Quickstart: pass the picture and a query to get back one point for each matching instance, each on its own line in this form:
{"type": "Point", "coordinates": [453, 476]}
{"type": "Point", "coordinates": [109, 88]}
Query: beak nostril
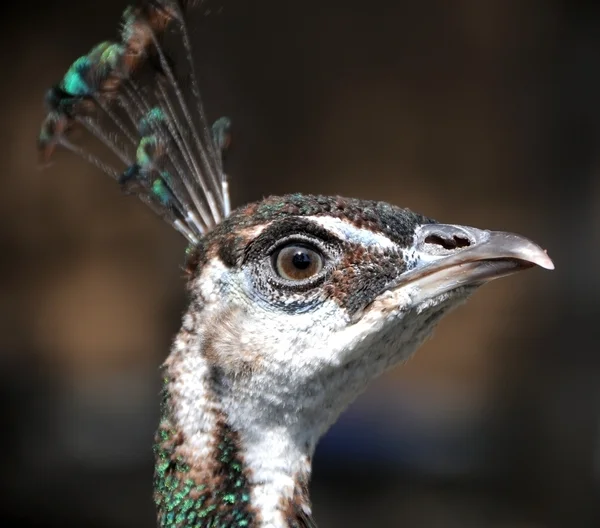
{"type": "Point", "coordinates": [461, 242]}
{"type": "Point", "coordinates": [454, 242]}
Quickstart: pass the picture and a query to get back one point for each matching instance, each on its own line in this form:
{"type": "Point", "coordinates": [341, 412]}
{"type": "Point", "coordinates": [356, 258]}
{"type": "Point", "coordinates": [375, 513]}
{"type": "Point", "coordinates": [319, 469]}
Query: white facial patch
{"type": "Point", "coordinates": [356, 235]}
{"type": "Point", "coordinates": [209, 281]}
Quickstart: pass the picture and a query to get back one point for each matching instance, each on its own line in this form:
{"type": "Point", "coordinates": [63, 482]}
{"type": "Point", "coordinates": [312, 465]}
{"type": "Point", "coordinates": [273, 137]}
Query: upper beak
{"type": "Point", "coordinates": [451, 256]}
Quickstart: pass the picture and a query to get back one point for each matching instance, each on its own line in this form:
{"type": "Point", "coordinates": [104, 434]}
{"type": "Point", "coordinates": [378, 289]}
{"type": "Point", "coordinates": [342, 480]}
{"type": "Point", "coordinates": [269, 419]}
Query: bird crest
{"type": "Point", "coordinates": [128, 95]}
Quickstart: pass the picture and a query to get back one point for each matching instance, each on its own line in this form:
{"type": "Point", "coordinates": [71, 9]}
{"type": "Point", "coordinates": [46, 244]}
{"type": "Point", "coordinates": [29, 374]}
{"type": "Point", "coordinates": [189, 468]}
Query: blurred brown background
{"type": "Point", "coordinates": [477, 112]}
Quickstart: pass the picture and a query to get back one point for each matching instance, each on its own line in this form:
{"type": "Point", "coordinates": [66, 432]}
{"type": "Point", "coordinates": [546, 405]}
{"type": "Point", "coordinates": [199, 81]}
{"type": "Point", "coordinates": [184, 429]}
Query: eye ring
{"type": "Point", "coordinates": [297, 262]}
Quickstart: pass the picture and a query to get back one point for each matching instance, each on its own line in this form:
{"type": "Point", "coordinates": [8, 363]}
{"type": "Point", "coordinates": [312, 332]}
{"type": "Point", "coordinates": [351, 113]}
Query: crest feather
{"type": "Point", "coordinates": [127, 94]}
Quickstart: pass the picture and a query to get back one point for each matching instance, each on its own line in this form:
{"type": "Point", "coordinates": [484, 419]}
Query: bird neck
{"type": "Point", "coordinates": [216, 463]}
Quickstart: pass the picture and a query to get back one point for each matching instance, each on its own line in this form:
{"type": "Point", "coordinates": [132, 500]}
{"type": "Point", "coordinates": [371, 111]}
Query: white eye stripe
{"type": "Point", "coordinates": [347, 231]}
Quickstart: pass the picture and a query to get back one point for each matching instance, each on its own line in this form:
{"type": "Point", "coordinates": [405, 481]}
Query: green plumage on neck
{"type": "Point", "coordinates": [183, 501]}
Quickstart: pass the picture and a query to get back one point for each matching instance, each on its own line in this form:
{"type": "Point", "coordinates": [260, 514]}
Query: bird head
{"type": "Point", "coordinates": [303, 300]}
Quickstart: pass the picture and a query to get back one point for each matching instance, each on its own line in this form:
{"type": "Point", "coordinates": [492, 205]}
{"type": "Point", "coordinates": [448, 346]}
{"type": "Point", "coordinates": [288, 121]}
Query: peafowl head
{"type": "Point", "coordinates": [296, 302]}
{"type": "Point", "coordinates": [299, 301]}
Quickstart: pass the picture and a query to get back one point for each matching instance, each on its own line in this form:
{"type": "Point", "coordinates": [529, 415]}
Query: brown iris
{"type": "Point", "coordinates": [296, 262]}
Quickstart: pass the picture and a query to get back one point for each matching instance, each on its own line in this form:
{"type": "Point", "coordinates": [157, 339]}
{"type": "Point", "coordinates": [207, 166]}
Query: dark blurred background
{"type": "Point", "coordinates": [477, 112]}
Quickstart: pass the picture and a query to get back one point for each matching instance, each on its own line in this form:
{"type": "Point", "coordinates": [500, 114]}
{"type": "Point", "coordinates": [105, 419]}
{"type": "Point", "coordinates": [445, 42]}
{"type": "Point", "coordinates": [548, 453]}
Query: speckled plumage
{"type": "Point", "coordinates": [379, 217]}
{"type": "Point", "coordinates": [185, 495]}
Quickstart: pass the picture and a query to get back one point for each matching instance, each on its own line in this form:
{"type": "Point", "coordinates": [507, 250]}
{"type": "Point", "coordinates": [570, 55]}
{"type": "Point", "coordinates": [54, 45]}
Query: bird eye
{"type": "Point", "coordinates": [297, 262]}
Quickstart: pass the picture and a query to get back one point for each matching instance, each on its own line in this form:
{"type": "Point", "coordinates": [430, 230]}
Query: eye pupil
{"type": "Point", "coordinates": [301, 260]}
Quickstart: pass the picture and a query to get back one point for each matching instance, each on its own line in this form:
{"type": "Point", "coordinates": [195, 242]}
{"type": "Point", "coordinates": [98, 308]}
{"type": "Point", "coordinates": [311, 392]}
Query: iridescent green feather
{"type": "Point", "coordinates": [73, 82]}
{"type": "Point", "coordinates": [185, 503]}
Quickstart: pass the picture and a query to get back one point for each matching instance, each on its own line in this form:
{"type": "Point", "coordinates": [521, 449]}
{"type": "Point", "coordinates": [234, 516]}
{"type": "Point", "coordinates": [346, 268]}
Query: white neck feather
{"type": "Point", "coordinates": [276, 451]}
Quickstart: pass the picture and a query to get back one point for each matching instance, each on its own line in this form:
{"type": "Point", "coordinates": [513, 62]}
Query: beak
{"type": "Point", "coordinates": [447, 257]}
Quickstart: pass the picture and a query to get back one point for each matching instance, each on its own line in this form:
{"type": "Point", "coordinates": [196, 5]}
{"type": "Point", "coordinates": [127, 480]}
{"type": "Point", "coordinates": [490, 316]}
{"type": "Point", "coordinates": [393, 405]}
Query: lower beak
{"type": "Point", "coordinates": [450, 256]}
